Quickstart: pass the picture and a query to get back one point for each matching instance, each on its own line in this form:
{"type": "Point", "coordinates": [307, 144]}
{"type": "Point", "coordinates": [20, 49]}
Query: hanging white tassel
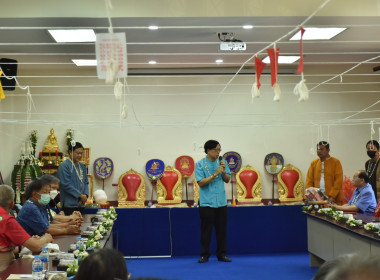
{"type": "Point", "coordinates": [372, 130]}
{"type": "Point", "coordinates": [255, 92]}
{"type": "Point", "coordinates": [124, 112]}
{"type": "Point", "coordinates": [112, 72]}
{"type": "Point", "coordinates": [277, 92]}
{"type": "Point", "coordinates": [118, 90]}
{"type": "Point", "coordinates": [301, 90]}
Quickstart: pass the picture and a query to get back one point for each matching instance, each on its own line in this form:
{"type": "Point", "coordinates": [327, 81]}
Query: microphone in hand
{"type": "Point", "coordinates": [220, 159]}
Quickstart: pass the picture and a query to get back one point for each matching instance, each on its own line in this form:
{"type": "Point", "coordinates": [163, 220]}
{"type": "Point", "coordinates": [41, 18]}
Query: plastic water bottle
{"type": "Point", "coordinates": [150, 204]}
{"type": "Point", "coordinates": [80, 243]}
{"type": "Point", "coordinates": [37, 268]}
{"type": "Point", "coordinates": [44, 257]}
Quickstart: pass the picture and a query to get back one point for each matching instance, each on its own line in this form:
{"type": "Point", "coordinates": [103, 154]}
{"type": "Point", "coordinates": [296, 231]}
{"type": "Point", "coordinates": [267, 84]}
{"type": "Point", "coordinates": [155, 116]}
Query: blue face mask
{"type": "Point", "coordinates": [45, 199]}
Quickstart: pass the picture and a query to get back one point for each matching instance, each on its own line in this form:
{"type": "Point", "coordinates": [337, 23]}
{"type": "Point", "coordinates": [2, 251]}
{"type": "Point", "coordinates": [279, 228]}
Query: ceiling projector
{"type": "Point", "coordinates": [233, 46]}
{"type": "Point", "coordinates": [230, 43]}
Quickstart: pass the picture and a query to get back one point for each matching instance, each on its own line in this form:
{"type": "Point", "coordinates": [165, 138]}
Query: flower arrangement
{"type": "Point", "coordinates": [80, 253]}
{"type": "Point", "coordinates": [107, 224]}
{"type": "Point", "coordinates": [97, 235]}
{"type": "Point", "coordinates": [339, 216]}
{"type": "Point", "coordinates": [307, 208]}
{"type": "Point", "coordinates": [72, 268]}
{"type": "Point", "coordinates": [69, 137]}
{"type": "Point", "coordinates": [371, 227]}
{"type": "Point", "coordinates": [354, 223]}
{"type": "Point", "coordinates": [330, 212]}
{"type": "Point", "coordinates": [92, 243]}
{"type": "Point", "coordinates": [110, 213]}
{"type": "Point", "coordinates": [33, 137]}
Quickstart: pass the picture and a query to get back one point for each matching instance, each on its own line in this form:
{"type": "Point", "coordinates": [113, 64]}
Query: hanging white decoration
{"type": "Point", "coordinates": [301, 90]}
{"type": "Point", "coordinates": [118, 90]}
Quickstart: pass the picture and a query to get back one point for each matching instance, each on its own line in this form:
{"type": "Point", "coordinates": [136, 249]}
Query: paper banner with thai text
{"type": "Point", "coordinates": [111, 46]}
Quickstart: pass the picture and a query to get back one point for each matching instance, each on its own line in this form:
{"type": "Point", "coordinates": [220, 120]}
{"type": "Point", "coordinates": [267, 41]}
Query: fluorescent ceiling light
{"type": "Point", "coordinates": [152, 62]}
{"type": "Point", "coordinates": [153, 27]}
{"type": "Point", "coordinates": [248, 26]}
{"type": "Point", "coordinates": [73, 35]}
{"type": "Point", "coordinates": [85, 62]}
{"type": "Point", "coordinates": [282, 59]}
{"type": "Point", "coordinates": [313, 33]}
{"type": "Point", "coordinates": [219, 61]}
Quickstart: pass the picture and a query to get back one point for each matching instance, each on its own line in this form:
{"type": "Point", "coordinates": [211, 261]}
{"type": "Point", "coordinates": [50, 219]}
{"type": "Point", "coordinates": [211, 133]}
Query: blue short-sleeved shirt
{"type": "Point", "coordinates": [71, 187]}
{"type": "Point", "coordinates": [364, 199]}
{"type": "Point", "coordinates": [214, 194]}
{"type": "Point", "coordinates": [33, 219]}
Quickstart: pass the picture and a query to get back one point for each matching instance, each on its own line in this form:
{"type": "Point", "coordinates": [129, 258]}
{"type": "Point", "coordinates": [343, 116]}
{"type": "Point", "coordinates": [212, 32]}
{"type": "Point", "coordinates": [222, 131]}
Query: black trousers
{"type": "Point", "coordinates": [210, 218]}
{"type": "Point", "coordinates": [69, 210]}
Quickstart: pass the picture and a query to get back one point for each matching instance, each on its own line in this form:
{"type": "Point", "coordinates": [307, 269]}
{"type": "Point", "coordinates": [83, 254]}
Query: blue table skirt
{"type": "Point", "coordinates": [176, 231]}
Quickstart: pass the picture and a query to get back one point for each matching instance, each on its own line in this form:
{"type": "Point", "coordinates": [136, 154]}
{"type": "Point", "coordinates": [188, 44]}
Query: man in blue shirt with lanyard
{"type": "Point", "coordinates": [74, 183]}
{"type": "Point", "coordinates": [211, 173]}
{"type": "Point", "coordinates": [363, 199]}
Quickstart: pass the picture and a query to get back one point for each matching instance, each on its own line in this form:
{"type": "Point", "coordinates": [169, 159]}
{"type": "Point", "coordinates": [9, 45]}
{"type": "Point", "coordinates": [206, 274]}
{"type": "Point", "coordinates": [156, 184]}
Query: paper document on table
{"type": "Point", "coordinates": [19, 276]}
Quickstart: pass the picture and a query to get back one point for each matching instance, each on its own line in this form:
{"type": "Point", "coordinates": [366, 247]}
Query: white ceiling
{"type": "Point", "coordinates": [187, 43]}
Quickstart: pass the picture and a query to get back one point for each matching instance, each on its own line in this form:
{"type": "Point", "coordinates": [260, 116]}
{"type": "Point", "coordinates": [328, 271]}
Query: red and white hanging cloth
{"type": "Point", "coordinates": [259, 66]}
{"type": "Point", "coordinates": [301, 89]}
{"type": "Point", "coordinates": [273, 56]}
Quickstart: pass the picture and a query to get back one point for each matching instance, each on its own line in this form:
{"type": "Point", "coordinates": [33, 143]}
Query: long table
{"type": "Point", "coordinates": [176, 231]}
{"type": "Point", "coordinates": [328, 239]}
{"type": "Point", "coordinates": [24, 265]}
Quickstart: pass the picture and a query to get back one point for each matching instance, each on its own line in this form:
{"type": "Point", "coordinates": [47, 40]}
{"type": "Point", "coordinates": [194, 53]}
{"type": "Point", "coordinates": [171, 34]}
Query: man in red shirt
{"type": "Point", "coordinates": [12, 234]}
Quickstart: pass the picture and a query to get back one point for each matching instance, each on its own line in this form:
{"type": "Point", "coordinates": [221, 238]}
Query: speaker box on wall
{"type": "Point", "coordinates": [9, 67]}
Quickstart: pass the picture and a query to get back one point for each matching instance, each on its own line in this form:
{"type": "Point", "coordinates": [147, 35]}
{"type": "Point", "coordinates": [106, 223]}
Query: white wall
{"type": "Point", "coordinates": [168, 126]}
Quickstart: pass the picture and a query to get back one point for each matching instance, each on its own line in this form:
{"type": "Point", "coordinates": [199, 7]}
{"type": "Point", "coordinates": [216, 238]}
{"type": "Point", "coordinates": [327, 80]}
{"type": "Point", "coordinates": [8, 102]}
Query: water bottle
{"type": "Point", "coordinates": [150, 204]}
{"type": "Point", "coordinates": [80, 243]}
{"type": "Point", "coordinates": [37, 268]}
{"type": "Point", "coordinates": [44, 257]}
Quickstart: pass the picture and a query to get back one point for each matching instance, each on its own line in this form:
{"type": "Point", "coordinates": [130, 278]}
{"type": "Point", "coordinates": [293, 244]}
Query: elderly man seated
{"type": "Point", "coordinates": [363, 199]}
{"type": "Point", "coordinates": [12, 234]}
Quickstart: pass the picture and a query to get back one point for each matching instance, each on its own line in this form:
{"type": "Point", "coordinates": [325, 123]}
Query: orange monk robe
{"type": "Point", "coordinates": [333, 173]}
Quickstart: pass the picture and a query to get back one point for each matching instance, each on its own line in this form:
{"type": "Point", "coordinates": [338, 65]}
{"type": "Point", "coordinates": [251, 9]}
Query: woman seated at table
{"type": "Point", "coordinates": [34, 215]}
{"type": "Point", "coordinates": [12, 234]}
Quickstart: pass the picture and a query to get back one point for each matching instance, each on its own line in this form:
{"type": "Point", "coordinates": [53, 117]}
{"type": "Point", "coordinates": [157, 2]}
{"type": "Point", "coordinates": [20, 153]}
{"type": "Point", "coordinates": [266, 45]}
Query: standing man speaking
{"type": "Point", "coordinates": [211, 173]}
{"type": "Point", "coordinates": [326, 173]}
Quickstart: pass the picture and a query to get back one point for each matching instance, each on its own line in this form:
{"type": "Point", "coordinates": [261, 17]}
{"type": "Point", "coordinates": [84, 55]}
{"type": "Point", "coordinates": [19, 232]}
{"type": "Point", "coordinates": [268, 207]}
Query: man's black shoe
{"type": "Point", "coordinates": [224, 259]}
{"type": "Point", "coordinates": [203, 259]}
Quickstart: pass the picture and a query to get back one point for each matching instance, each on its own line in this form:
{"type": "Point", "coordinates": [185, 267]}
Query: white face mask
{"type": "Point", "coordinates": [53, 194]}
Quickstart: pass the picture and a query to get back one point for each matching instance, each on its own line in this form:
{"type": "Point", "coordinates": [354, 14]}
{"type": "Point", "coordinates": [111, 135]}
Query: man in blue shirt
{"type": "Point", "coordinates": [211, 173]}
{"type": "Point", "coordinates": [363, 199]}
{"type": "Point", "coordinates": [74, 183]}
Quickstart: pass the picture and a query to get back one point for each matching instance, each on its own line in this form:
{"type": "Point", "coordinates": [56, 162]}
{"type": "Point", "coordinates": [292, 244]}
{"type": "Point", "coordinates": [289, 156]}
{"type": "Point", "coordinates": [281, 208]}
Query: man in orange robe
{"type": "Point", "coordinates": [331, 181]}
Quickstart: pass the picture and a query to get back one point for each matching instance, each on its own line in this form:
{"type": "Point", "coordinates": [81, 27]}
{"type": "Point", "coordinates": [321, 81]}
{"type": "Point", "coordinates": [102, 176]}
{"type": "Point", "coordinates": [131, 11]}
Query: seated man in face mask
{"type": "Point", "coordinates": [75, 218]}
{"type": "Point", "coordinates": [35, 216]}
